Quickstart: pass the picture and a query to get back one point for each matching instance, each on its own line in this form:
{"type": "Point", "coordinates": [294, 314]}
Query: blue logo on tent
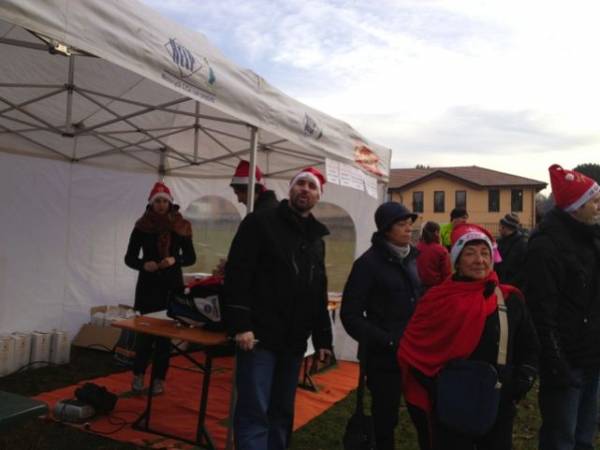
{"type": "Point", "coordinates": [189, 64]}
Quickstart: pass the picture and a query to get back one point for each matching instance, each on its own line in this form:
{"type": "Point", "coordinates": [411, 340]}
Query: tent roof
{"type": "Point", "coordinates": [112, 83]}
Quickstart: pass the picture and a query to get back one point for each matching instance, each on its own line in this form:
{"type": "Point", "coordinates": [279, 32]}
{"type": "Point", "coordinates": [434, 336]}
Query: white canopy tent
{"type": "Point", "coordinates": [97, 100]}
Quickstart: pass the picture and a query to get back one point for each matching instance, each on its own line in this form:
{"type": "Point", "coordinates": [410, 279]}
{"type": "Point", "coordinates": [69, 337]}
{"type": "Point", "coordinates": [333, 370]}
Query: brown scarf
{"type": "Point", "coordinates": [163, 225]}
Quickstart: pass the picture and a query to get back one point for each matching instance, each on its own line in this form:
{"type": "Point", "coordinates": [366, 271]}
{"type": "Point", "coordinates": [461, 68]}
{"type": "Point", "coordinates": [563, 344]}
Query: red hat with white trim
{"type": "Point", "coordinates": [242, 173]}
{"type": "Point", "coordinates": [465, 233]}
{"type": "Point", "coordinates": [160, 190]}
{"type": "Point", "coordinates": [571, 189]}
{"type": "Point", "coordinates": [312, 174]}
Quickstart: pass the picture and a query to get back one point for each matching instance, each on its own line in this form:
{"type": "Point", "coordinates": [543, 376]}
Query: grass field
{"type": "Point", "coordinates": [322, 433]}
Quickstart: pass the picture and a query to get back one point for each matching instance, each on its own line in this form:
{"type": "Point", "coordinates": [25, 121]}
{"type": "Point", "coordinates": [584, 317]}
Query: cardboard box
{"type": "Point", "coordinates": [102, 337]}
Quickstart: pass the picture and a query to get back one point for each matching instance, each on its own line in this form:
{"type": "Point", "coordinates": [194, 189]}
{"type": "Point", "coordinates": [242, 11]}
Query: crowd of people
{"type": "Point", "coordinates": [460, 325]}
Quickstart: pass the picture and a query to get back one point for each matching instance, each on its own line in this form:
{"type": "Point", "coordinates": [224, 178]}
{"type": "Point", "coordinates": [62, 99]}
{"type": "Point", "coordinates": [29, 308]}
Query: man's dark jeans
{"type": "Point", "coordinates": [266, 388]}
{"type": "Point", "coordinates": [569, 414]}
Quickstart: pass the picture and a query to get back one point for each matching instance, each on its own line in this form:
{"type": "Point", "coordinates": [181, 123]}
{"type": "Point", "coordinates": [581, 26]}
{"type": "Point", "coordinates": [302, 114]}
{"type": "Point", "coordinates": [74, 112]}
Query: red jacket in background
{"type": "Point", "coordinates": [433, 263]}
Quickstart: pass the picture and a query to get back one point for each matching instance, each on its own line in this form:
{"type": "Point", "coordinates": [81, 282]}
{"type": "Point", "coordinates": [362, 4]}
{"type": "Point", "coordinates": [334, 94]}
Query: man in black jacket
{"type": "Point", "coordinates": [379, 299]}
{"type": "Point", "coordinates": [512, 246]}
{"type": "Point", "coordinates": [563, 293]}
{"type": "Point", "coordinates": [276, 297]}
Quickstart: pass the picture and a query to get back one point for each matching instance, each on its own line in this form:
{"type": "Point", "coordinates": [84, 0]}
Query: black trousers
{"type": "Point", "coordinates": [152, 347]}
{"type": "Point", "coordinates": [384, 383]}
{"type": "Point", "coordinates": [442, 438]}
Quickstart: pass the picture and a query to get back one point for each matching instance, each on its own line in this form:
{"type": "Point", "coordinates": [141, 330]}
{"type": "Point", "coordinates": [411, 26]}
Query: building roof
{"type": "Point", "coordinates": [477, 177]}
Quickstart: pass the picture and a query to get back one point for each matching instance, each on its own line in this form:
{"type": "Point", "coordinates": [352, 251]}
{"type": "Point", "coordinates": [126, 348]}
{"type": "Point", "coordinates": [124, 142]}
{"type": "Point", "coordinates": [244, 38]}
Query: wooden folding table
{"type": "Point", "coordinates": [209, 342]}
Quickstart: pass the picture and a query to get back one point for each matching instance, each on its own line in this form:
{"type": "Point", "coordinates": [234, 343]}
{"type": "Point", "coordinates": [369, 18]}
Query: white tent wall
{"type": "Point", "coordinates": [33, 242]}
{"type": "Point", "coordinates": [138, 94]}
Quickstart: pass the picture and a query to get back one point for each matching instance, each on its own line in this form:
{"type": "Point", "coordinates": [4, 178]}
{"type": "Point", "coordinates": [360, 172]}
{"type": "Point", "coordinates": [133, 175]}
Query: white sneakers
{"type": "Point", "coordinates": [158, 387]}
{"type": "Point", "coordinates": [137, 385]}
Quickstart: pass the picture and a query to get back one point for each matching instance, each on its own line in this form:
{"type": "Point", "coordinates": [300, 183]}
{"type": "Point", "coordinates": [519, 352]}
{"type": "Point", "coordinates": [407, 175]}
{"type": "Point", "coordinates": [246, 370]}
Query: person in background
{"type": "Point", "coordinates": [379, 299]}
{"type": "Point", "coordinates": [276, 297]}
{"type": "Point", "coordinates": [164, 238]}
{"type": "Point", "coordinates": [459, 319]}
{"type": "Point", "coordinates": [563, 289]}
{"type": "Point", "coordinates": [512, 246]}
{"type": "Point", "coordinates": [433, 260]}
{"type": "Point", "coordinates": [263, 198]}
{"type": "Point", "coordinates": [457, 216]}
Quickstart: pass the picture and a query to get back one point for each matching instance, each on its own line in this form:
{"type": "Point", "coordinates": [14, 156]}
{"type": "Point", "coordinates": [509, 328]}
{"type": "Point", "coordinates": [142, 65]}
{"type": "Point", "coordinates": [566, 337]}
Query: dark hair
{"type": "Point", "coordinates": [457, 213]}
{"type": "Point", "coordinates": [428, 235]}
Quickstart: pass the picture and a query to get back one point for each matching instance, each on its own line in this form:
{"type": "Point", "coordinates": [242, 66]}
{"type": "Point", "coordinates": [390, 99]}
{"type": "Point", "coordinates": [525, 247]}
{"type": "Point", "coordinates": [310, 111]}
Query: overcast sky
{"type": "Point", "coordinates": [508, 85]}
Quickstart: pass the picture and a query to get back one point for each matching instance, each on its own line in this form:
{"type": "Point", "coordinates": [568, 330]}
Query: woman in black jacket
{"type": "Point", "coordinates": [165, 239]}
{"type": "Point", "coordinates": [379, 299]}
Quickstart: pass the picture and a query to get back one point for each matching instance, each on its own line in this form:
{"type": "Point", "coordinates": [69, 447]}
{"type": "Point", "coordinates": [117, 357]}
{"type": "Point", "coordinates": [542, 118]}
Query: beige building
{"type": "Point", "coordinates": [486, 194]}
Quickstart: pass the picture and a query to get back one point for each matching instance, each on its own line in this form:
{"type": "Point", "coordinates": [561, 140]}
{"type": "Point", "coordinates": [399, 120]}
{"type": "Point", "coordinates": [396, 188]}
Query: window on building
{"type": "Point", "coordinates": [516, 200]}
{"type": "Point", "coordinates": [460, 199]}
{"type": "Point", "coordinates": [493, 200]}
{"type": "Point", "coordinates": [417, 205]}
{"type": "Point", "coordinates": [438, 201]}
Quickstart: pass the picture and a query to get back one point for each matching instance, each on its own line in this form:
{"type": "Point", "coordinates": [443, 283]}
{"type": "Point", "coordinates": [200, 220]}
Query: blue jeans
{"type": "Point", "coordinates": [266, 388]}
{"type": "Point", "coordinates": [569, 414]}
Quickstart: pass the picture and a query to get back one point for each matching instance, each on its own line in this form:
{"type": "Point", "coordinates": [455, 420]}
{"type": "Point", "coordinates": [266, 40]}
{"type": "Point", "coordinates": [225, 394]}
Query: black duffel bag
{"type": "Point", "coordinates": [199, 304]}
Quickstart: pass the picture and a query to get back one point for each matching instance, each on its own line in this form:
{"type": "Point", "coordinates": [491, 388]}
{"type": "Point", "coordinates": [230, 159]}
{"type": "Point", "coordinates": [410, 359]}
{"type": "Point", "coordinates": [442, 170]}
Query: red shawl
{"type": "Point", "coordinates": [163, 225]}
{"type": "Point", "coordinates": [447, 324]}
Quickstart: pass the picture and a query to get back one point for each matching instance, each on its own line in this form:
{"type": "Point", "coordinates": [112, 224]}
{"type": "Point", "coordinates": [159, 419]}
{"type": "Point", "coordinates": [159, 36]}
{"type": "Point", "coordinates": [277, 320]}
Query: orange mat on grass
{"type": "Point", "coordinates": [176, 411]}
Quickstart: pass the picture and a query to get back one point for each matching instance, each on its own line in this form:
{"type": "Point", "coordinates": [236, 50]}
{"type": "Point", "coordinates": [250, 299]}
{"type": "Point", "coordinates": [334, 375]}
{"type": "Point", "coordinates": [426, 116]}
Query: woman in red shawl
{"type": "Point", "coordinates": [458, 319]}
{"type": "Point", "coordinates": [165, 240]}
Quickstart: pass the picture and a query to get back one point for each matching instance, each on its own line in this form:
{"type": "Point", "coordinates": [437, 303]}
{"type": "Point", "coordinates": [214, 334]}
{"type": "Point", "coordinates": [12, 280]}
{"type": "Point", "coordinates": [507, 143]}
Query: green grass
{"type": "Point", "coordinates": [322, 433]}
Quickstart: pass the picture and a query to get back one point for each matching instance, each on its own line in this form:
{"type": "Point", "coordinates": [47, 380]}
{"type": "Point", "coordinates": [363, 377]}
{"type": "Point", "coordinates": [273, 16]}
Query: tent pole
{"type": "Point", "coordinates": [196, 131]}
{"type": "Point", "coordinates": [252, 171]}
{"type": "Point", "coordinates": [161, 164]}
{"type": "Point", "coordinates": [69, 118]}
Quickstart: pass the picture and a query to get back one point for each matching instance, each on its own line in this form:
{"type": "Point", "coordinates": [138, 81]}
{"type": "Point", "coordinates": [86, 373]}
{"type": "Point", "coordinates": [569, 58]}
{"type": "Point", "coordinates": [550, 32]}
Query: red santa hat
{"type": "Point", "coordinates": [160, 190]}
{"type": "Point", "coordinates": [465, 233]}
{"type": "Point", "coordinates": [571, 189]}
{"type": "Point", "coordinates": [242, 173]}
{"type": "Point", "coordinates": [311, 174]}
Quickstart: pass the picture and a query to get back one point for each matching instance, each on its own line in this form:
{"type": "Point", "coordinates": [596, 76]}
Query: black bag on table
{"type": "Point", "coordinates": [359, 433]}
{"type": "Point", "coordinates": [468, 392]}
{"type": "Point", "coordinates": [199, 304]}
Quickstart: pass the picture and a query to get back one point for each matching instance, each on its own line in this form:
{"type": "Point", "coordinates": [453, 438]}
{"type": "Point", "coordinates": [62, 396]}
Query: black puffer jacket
{"type": "Point", "coordinates": [380, 296]}
{"type": "Point", "coordinates": [513, 249]}
{"type": "Point", "coordinates": [275, 281]}
{"type": "Point", "coordinates": [563, 293]}
{"type": "Point", "coordinates": [152, 288]}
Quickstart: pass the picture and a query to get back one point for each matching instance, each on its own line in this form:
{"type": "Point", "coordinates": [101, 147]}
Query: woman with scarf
{"type": "Point", "coordinates": [165, 239]}
{"type": "Point", "coordinates": [379, 298]}
{"type": "Point", "coordinates": [459, 320]}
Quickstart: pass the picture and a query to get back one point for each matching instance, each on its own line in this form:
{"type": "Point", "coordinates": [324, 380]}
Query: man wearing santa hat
{"type": "Point", "coordinates": [276, 297]}
{"type": "Point", "coordinates": [563, 293]}
{"type": "Point", "coordinates": [263, 197]}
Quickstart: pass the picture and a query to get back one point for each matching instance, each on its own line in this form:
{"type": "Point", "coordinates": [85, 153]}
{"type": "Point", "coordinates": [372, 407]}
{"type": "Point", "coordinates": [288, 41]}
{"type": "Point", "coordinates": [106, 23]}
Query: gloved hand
{"type": "Point", "coordinates": [523, 381]}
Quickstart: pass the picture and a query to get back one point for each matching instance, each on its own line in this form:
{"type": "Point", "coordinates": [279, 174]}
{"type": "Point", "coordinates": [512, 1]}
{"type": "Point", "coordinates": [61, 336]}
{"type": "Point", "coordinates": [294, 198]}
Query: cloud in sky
{"type": "Point", "coordinates": [490, 83]}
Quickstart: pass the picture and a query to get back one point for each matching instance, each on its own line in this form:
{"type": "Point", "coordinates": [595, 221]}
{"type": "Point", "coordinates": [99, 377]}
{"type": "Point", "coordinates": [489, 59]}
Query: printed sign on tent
{"type": "Point", "coordinates": [332, 171]}
{"type": "Point", "coordinates": [371, 186]}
